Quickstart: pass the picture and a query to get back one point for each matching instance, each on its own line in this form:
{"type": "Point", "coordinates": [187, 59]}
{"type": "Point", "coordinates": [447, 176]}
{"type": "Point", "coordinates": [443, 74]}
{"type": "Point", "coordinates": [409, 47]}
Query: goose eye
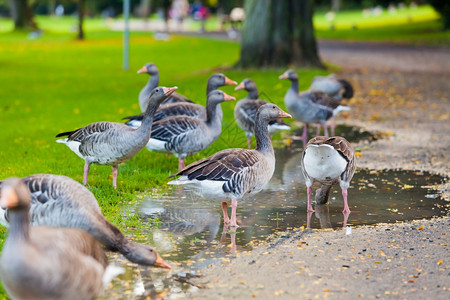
{"type": "Point", "coordinates": [273, 107]}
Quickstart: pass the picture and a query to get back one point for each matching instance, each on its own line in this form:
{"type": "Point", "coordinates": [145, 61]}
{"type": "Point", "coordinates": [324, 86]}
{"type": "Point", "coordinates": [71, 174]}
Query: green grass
{"type": "Point", "coordinates": [56, 83]}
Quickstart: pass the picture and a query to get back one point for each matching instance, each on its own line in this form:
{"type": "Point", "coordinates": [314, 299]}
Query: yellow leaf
{"type": "Point", "coordinates": [440, 262]}
{"type": "Point", "coordinates": [382, 253]}
{"type": "Point", "coordinates": [326, 290]}
{"type": "Point", "coordinates": [421, 227]}
{"type": "Point", "coordinates": [358, 154]}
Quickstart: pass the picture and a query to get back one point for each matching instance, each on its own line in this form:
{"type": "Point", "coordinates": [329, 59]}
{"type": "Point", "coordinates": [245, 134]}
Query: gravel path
{"type": "Point", "coordinates": [402, 93]}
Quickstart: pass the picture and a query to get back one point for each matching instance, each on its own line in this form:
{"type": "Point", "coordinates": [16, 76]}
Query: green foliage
{"type": "Point", "coordinates": [56, 84]}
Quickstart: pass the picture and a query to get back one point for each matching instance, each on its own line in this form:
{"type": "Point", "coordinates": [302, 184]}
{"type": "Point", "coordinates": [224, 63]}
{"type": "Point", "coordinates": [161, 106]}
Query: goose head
{"type": "Point", "coordinates": [219, 79]}
{"type": "Point", "coordinates": [149, 68]}
{"type": "Point", "coordinates": [14, 194]}
{"type": "Point", "coordinates": [246, 84]}
{"type": "Point", "coordinates": [269, 112]}
{"type": "Point", "coordinates": [289, 74]}
{"type": "Point", "coordinates": [218, 96]}
{"type": "Point", "coordinates": [146, 256]}
{"type": "Point", "coordinates": [160, 93]}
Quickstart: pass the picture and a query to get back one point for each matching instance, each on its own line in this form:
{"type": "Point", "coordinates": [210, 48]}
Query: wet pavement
{"type": "Point", "coordinates": [191, 235]}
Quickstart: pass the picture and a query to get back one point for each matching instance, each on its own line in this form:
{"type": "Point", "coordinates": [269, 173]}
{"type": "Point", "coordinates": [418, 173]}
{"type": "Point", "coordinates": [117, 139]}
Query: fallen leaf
{"type": "Point", "coordinates": [382, 253]}
{"type": "Point", "coordinates": [421, 227]}
{"type": "Point", "coordinates": [439, 263]}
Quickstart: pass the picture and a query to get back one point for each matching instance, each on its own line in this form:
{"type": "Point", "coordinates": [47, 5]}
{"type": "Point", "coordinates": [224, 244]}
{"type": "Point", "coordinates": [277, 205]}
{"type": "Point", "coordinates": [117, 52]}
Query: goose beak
{"type": "Point", "coordinates": [169, 91]}
{"type": "Point", "coordinates": [8, 198]}
{"type": "Point", "coordinates": [285, 75]}
{"type": "Point", "coordinates": [160, 263]}
{"type": "Point", "coordinates": [241, 86]}
{"type": "Point", "coordinates": [227, 97]}
{"type": "Point", "coordinates": [228, 81]}
{"type": "Point", "coordinates": [284, 115]}
{"type": "Point", "coordinates": [142, 70]}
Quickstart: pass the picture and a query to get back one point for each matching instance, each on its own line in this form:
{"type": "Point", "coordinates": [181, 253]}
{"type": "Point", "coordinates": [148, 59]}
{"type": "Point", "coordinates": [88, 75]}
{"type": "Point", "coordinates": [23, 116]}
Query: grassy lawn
{"type": "Point", "coordinates": [56, 83]}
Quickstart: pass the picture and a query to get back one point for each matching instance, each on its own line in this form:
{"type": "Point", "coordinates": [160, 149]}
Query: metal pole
{"type": "Point", "coordinates": [126, 35]}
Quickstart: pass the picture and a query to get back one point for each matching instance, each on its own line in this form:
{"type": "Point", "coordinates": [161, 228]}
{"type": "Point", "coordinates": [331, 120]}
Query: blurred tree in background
{"type": "Point", "coordinates": [278, 33]}
{"type": "Point", "coordinates": [443, 8]}
{"type": "Point", "coordinates": [22, 15]}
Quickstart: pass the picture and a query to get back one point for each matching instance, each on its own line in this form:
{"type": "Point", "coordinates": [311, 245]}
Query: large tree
{"type": "Point", "coordinates": [278, 33]}
{"type": "Point", "coordinates": [22, 15]}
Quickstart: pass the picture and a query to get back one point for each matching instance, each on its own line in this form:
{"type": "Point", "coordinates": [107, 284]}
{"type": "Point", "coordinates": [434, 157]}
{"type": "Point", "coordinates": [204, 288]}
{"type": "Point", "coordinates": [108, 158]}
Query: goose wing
{"type": "Point", "coordinates": [172, 127]}
{"type": "Point", "coordinates": [81, 134]}
{"type": "Point", "coordinates": [180, 109]}
{"type": "Point", "coordinates": [248, 109]}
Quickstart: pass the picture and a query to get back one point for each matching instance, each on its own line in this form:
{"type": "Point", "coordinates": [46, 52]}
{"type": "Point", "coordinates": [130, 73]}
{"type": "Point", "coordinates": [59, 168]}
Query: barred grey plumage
{"type": "Point", "coordinates": [60, 201]}
{"type": "Point", "coordinates": [234, 173]}
{"type": "Point", "coordinates": [108, 143]}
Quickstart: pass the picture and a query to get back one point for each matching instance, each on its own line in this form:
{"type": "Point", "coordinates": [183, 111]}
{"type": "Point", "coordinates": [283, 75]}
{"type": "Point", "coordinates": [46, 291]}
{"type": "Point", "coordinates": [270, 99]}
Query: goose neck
{"type": "Point", "coordinates": [263, 142]}
{"type": "Point", "coordinates": [253, 94]}
{"type": "Point", "coordinates": [294, 85]}
{"type": "Point", "coordinates": [212, 111]}
{"type": "Point", "coordinates": [19, 224]}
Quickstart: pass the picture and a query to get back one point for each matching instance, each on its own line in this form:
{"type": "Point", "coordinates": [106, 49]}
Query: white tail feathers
{"type": "Point", "coordinates": [340, 108]}
{"type": "Point", "coordinates": [111, 272]}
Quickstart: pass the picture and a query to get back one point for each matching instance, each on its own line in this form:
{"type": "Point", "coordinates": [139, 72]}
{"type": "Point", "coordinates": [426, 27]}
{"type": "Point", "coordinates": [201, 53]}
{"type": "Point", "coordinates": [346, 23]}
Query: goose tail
{"type": "Point", "coordinates": [348, 89]}
{"type": "Point", "coordinates": [111, 272]}
{"type": "Point", "coordinates": [340, 108]}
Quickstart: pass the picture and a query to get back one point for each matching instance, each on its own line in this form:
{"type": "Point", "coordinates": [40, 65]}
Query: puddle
{"type": "Point", "coordinates": [190, 235]}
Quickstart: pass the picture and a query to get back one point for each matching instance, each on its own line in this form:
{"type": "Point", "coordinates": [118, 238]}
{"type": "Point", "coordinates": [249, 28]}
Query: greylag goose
{"type": "Point", "coordinates": [329, 161]}
{"type": "Point", "coordinates": [183, 135]}
{"type": "Point", "coordinates": [60, 201]}
{"type": "Point", "coordinates": [152, 83]}
{"type": "Point", "coordinates": [333, 87]}
{"type": "Point", "coordinates": [309, 106]}
{"type": "Point", "coordinates": [235, 173]}
{"type": "Point", "coordinates": [186, 109]}
{"type": "Point", "coordinates": [108, 143]}
{"type": "Point", "coordinates": [47, 262]}
{"type": "Point", "coordinates": [245, 112]}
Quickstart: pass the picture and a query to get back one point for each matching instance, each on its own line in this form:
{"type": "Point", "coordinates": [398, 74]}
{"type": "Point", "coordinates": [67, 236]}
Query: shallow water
{"type": "Point", "coordinates": [191, 234]}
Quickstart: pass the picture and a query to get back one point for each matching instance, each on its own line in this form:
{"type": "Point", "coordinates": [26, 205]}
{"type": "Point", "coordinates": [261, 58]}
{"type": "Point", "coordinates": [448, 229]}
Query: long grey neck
{"type": "Point", "coordinates": [213, 113]}
{"type": "Point", "coordinates": [146, 126]}
{"type": "Point", "coordinates": [209, 88]}
{"type": "Point", "coordinates": [148, 88]}
{"type": "Point", "coordinates": [263, 142]}
{"type": "Point", "coordinates": [294, 85]}
{"type": "Point", "coordinates": [253, 94]}
{"type": "Point", "coordinates": [19, 224]}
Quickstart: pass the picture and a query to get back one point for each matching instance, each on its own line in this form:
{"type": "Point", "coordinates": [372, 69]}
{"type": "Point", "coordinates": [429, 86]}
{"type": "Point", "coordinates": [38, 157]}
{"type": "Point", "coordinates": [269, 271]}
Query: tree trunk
{"type": "Point", "coordinates": [278, 33]}
{"type": "Point", "coordinates": [22, 15]}
{"type": "Point", "coordinates": [335, 5]}
{"type": "Point", "coordinates": [80, 19]}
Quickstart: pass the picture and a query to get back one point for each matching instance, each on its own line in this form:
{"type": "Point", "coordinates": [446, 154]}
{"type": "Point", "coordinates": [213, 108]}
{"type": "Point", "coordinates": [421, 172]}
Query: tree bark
{"type": "Point", "coordinates": [278, 33]}
{"type": "Point", "coordinates": [80, 9]}
{"type": "Point", "coordinates": [22, 15]}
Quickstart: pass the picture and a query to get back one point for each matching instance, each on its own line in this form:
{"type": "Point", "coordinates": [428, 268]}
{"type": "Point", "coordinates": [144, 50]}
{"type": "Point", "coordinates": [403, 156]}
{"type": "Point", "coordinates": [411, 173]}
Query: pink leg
{"type": "Point", "coordinates": [346, 214]}
{"type": "Point", "coordinates": [333, 126]}
{"type": "Point", "coordinates": [305, 134]}
{"type": "Point", "coordinates": [249, 143]}
{"type": "Point", "coordinates": [317, 129]}
{"type": "Point", "coordinates": [114, 175]}
{"type": "Point", "coordinates": [85, 174]}
{"type": "Point", "coordinates": [234, 204]}
{"type": "Point", "coordinates": [346, 208]}
{"type": "Point", "coordinates": [226, 220]}
{"type": "Point", "coordinates": [310, 208]}
{"type": "Point", "coordinates": [308, 219]}
{"type": "Point", "coordinates": [325, 129]}
{"type": "Point", "coordinates": [180, 164]}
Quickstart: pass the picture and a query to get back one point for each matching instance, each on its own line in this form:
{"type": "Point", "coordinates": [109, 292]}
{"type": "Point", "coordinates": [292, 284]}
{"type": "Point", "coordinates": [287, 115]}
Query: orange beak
{"type": "Point", "coordinates": [169, 91]}
{"type": "Point", "coordinates": [285, 75]}
{"type": "Point", "coordinates": [228, 81]}
{"type": "Point", "coordinates": [284, 115]}
{"type": "Point", "coordinates": [8, 198]}
{"type": "Point", "coordinates": [142, 70]}
{"type": "Point", "coordinates": [160, 263]}
{"type": "Point", "coordinates": [227, 97]}
{"type": "Point", "coordinates": [241, 86]}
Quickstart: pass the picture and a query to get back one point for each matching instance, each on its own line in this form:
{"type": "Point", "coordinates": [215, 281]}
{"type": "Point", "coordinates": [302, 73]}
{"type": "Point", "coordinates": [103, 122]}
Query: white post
{"type": "Point", "coordinates": [126, 35]}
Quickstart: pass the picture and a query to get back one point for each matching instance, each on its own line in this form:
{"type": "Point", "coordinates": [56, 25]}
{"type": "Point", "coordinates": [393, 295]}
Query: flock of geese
{"type": "Point", "coordinates": [57, 234]}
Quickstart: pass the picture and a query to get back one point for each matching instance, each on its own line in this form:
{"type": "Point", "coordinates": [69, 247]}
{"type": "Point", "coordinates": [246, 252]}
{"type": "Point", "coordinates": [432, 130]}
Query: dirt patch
{"type": "Point", "coordinates": [402, 93]}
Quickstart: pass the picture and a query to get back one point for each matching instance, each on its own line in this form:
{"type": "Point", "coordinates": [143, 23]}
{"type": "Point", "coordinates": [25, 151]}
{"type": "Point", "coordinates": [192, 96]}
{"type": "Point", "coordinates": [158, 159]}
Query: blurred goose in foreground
{"type": "Point", "coordinates": [183, 135]}
{"type": "Point", "coordinates": [309, 106]}
{"type": "Point", "coordinates": [235, 173]}
{"type": "Point", "coordinates": [108, 143]}
{"type": "Point", "coordinates": [333, 87]}
{"type": "Point", "coordinates": [329, 161]}
{"type": "Point", "coordinates": [60, 201]}
{"type": "Point", "coordinates": [245, 112]}
{"type": "Point", "coordinates": [184, 108]}
{"type": "Point", "coordinates": [46, 262]}
{"type": "Point", "coordinates": [152, 70]}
